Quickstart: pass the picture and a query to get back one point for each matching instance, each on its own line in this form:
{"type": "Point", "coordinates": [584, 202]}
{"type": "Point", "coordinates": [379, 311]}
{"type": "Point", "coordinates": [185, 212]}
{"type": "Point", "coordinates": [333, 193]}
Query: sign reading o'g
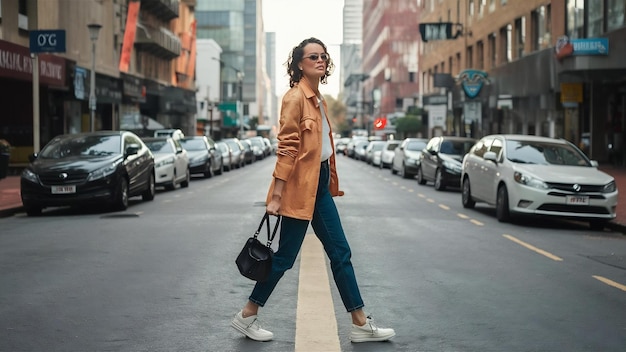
{"type": "Point", "coordinates": [47, 41]}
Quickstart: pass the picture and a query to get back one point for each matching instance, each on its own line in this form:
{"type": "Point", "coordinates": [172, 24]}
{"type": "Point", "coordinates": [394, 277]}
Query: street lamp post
{"type": "Point", "coordinates": [94, 31]}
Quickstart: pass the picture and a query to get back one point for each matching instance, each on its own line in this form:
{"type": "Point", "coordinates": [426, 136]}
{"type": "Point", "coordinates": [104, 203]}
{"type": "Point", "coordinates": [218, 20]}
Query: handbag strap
{"type": "Point", "coordinates": [266, 221]}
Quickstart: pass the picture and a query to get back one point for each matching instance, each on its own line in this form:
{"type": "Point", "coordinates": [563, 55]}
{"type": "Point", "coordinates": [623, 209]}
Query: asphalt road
{"type": "Point", "coordinates": [161, 276]}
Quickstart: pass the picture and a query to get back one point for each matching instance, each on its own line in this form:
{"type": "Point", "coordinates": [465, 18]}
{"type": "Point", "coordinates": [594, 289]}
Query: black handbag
{"type": "Point", "coordinates": [255, 259]}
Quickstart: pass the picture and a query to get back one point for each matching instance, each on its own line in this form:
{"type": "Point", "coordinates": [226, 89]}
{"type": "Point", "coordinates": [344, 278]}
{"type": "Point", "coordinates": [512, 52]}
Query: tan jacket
{"type": "Point", "coordinates": [299, 153]}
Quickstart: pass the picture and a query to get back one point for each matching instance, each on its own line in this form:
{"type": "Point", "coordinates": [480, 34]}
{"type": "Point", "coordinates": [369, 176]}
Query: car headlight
{"type": "Point", "coordinates": [452, 166]}
{"type": "Point", "coordinates": [102, 172]}
{"type": "Point", "coordinates": [164, 162]}
{"type": "Point", "coordinates": [609, 187]}
{"type": "Point", "coordinates": [30, 176]}
{"type": "Point", "coordinates": [529, 180]}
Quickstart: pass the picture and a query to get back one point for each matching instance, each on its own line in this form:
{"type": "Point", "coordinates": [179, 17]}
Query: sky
{"type": "Point", "coordinates": [296, 20]}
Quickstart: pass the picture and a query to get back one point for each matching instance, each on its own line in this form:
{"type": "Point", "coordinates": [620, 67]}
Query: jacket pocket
{"type": "Point", "coordinates": [308, 124]}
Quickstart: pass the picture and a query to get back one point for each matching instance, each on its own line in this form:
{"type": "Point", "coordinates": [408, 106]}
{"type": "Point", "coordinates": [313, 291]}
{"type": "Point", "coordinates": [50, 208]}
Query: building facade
{"type": "Point", "coordinates": [390, 58]}
{"type": "Point", "coordinates": [534, 67]}
{"type": "Point", "coordinates": [139, 82]}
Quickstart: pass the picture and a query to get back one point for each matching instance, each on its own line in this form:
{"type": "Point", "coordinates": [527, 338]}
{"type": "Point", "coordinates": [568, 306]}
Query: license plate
{"type": "Point", "coordinates": [577, 200]}
{"type": "Point", "coordinates": [64, 189]}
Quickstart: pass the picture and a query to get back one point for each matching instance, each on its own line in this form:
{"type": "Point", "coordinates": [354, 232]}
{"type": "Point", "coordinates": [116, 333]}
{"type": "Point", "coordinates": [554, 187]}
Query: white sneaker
{"type": "Point", "coordinates": [370, 332]}
{"type": "Point", "coordinates": [250, 327]}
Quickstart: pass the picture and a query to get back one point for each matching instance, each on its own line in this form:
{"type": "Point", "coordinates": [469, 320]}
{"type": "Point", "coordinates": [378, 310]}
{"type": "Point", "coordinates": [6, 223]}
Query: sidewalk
{"type": "Point", "coordinates": [11, 202]}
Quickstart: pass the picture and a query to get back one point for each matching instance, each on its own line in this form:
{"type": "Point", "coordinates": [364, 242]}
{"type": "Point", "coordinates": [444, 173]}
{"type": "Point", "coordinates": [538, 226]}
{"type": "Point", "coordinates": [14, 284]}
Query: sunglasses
{"type": "Point", "coordinates": [314, 57]}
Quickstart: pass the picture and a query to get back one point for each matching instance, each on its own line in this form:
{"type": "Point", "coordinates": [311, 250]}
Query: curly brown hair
{"type": "Point", "coordinates": [297, 54]}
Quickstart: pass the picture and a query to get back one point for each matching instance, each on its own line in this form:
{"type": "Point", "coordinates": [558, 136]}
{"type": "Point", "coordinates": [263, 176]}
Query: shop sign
{"type": "Point", "coordinates": [15, 62]}
{"type": "Point", "coordinates": [571, 93]}
{"type": "Point", "coordinates": [47, 41]}
{"type": "Point", "coordinates": [435, 100]}
{"type": "Point", "coordinates": [581, 47]}
{"type": "Point", "coordinates": [472, 82]}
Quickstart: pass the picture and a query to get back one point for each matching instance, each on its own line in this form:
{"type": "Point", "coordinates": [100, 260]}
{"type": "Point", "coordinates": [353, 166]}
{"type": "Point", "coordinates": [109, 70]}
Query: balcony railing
{"type": "Point", "coordinates": [164, 9]}
{"type": "Point", "coordinates": [158, 41]}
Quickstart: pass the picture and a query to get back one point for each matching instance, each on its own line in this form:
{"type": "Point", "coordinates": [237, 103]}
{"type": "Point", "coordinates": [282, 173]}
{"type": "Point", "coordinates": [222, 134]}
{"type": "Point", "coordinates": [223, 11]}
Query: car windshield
{"type": "Point", "coordinates": [193, 144]}
{"type": "Point", "coordinates": [160, 147]}
{"type": "Point", "coordinates": [415, 145]}
{"type": "Point", "coordinates": [81, 146]}
{"type": "Point", "coordinates": [392, 146]}
{"type": "Point", "coordinates": [544, 153]}
{"type": "Point", "coordinates": [378, 146]}
{"type": "Point", "coordinates": [455, 147]}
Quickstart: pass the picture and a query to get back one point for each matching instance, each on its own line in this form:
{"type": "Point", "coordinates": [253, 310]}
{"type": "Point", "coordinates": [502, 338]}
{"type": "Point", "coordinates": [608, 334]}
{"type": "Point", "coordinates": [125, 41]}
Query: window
{"type": "Point", "coordinates": [596, 19]}
{"type": "Point", "coordinates": [481, 7]}
{"type": "Point", "coordinates": [450, 64]}
{"type": "Point", "coordinates": [615, 14]}
{"type": "Point", "coordinates": [541, 28]}
{"type": "Point", "coordinates": [470, 58]}
{"type": "Point", "coordinates": [520, 36]}
{"type": "Point", "coordinates": [412, 77]}
{"type": "Point", "coordinates": [575, 19]}
{"type": "Point", "coordinates": [22, 15]}
{"type": "Point", "coordinates": [458, 62]}
{"type": "Point", "coordinates": [470, 8]}
{"type": "Point", "coordinates": [492, 50]}
{"type": "Point", "coordinates": [480, 55]}
{"type": "Point", "coordinates": [505, 45]}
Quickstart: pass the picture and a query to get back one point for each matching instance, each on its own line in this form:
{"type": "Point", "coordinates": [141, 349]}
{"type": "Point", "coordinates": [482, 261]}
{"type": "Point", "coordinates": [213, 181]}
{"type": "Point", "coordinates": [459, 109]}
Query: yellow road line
{"type": "Point", "coordinates": [610, 282]}
{"type": "Point", "coordinates": [430, 200]}
{"type": "Point", "coordinates": [476, 222]}
{"type": "Point", "coordinates": [462, 216]}
{"type": "Point", "coordinates": [316, 325]}
{"type": "Point", "coordinates": [533, 248]}
{"type": "Point", "coordinates": [444, 207]}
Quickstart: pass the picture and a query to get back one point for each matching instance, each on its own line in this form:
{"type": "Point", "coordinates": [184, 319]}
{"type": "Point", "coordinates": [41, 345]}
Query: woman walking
{"type": "Point", "coordinates": [304, 184]}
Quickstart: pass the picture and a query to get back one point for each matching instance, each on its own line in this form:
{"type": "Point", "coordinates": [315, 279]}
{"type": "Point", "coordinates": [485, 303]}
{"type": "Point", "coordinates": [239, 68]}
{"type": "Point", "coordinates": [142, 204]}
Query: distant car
{"type": "Point", "coordinates": [171, 162]}
{"type": "Point", "coordinates": [341, 144]}
{"type": "Point", "coordinates": [349, 151]}
{"type": "Point", "coordinates": [268, 146]}
{"type": "Point", "coordinates": [97, 168]}
{"type": "Point", "coordinates": [237, 152]}
{"type": "Point", "coordinates": [386, 156]}
{"type": "Point", "coordinates": [406, 157]}
{"type": "Point", "coordinates": [227, 159]}
{"type": "Point", "coordinates": [359, 149]}
{"type": "Point", "coordinates": [534, 175]}
{"type": "Point", "coordinates": [248, 153]}
{"type": "Point", "coordinates": [440, 161]}
{"type": "Point", "coordinates": [172, 132]}
{"type": "Point", "coordinates": [372, 148]}
{"type": "Point", "coordinates": [258, 147]}
{"type": "Point", "coordinates": [203, 156]}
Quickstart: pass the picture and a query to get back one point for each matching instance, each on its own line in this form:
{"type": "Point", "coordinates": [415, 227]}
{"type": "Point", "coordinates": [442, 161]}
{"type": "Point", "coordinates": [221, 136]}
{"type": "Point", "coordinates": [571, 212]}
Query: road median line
{"type": "Point", "coordinates": [610, 282]}
{"type": "Point", "coordinates": [316, 324]}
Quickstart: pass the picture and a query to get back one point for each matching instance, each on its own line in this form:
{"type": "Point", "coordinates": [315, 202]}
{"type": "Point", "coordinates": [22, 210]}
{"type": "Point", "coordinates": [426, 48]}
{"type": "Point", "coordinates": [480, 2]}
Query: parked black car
{"type": "Point", "coordinates": [106, 167]}
{"type": "Point", "coordinates": [440, 161]}
{"type": "Point", "coordinates": [203, 156]}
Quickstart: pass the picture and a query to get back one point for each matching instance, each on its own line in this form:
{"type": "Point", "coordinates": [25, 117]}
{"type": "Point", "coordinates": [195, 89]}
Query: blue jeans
{"type": "Point", "coordinates": [327, 227]}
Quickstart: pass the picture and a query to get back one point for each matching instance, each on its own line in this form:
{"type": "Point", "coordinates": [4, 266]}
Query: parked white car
{"type": "Point", "coordinates": [387, 154]}
{"type": "Point", "coordinates": [534, 175]}
{"type": "Point", "coordinates": [171, 163]}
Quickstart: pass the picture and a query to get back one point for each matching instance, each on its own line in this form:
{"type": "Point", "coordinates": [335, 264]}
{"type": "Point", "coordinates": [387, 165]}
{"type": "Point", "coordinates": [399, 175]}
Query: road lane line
{"type": "Point", "coordinates": [610, 282]}
{"type": "Point", "coordinates": [533, 248]}
{"type": "Point", "coordinates": [316, 324]}
{"type": "Point", "coordinates": [444, 207]}
{"type": "Point", "coordinates": [462, 216]}
{"type": "Point", "coordinates": [476, 222]}
{"type": "Point", "coordinates": [430, 200]}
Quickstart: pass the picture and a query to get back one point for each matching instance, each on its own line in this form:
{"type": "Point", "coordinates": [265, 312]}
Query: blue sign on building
{"type": "Point", "coordinates": [590, 46]}
{"type": "Point", "coordinates": [47, 41]}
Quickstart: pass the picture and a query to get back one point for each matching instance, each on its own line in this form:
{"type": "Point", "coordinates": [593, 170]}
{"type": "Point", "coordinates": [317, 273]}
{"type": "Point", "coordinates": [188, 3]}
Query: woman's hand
{"type": "Point", "coordinates": [273, 207]}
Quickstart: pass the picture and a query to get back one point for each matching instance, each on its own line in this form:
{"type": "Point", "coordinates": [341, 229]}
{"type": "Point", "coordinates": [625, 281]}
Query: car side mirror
{"type": "Point", "coordinates": [132, 149]}
{"type": "Point", "coordinates": [32, 157]}
{"type": "Point", "coordinates": [491, 156]}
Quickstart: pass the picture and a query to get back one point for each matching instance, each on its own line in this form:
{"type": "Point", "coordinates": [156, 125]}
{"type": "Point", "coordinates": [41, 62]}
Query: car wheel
{"type": "Point", "coordinates": [597, 225]}
{"type": "Point", "coordinates": [120, 200]}
{"type": "Point", "coordinates": [502, 205]}
{"type": "Point", "coordinates": [185, 182]}
{"type": "Point", "coordinates": [466, 194]}
{"type": "Point", "coordinates": [208, 172]}
{"type": "Point", "coordinates": [150, 191]}
{"type": "Point", "coordinates": [32, 210]}
{"type": "Point", "coordinates": [439, 185]}
{"type": "Point", "coordinates": [420, 176]}
{"type": "Point", "coordinates": [220, 170]}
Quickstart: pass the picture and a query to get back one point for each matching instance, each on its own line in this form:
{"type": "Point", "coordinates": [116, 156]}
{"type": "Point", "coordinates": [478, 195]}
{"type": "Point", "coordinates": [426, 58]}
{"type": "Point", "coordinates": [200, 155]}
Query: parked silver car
{"type": "Point", "coordinates": [534, 175]}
